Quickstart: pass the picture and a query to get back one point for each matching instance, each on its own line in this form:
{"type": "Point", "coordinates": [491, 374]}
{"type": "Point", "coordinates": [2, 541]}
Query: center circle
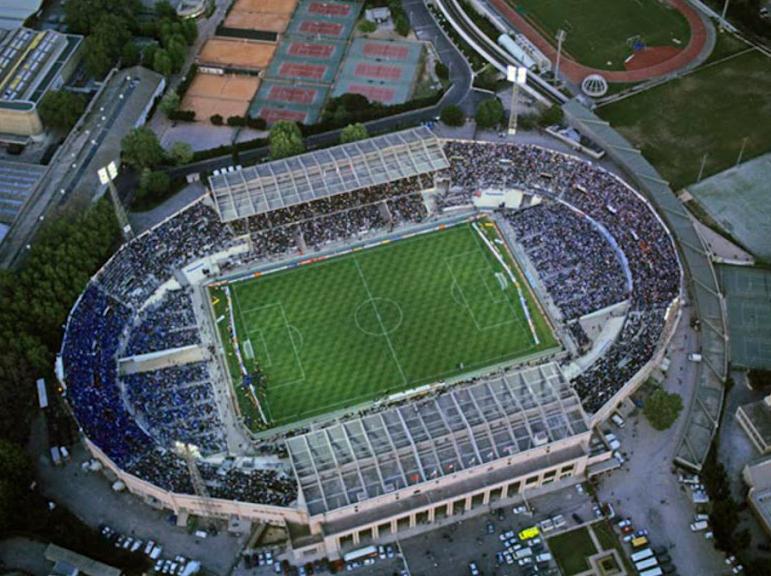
{"type": "Point", "coordinates": [378, 316]}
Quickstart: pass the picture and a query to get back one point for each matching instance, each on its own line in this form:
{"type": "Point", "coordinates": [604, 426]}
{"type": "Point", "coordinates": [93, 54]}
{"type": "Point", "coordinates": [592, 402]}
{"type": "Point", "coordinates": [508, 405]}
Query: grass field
{"type": "Point", "coordinates": [598, 30]}
{"type": "Point", "coordinates": [711, 111]}
{"type": "Point", "coordinates": [571, 549]}
{"type": "Point", "coordinates": [353, 328]}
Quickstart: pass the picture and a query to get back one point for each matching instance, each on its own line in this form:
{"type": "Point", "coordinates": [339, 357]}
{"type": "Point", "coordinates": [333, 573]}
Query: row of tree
{"type": "Point", "coordinates": [111, 26]}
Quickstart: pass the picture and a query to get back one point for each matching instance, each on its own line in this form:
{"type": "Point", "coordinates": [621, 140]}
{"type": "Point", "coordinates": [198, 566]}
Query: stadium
{"type": "Point", "coordinates": [367, 340]}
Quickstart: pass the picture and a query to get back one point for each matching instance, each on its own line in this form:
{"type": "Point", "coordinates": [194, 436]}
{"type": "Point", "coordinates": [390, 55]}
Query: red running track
{"type": "Point", "coordinates": [577, 72]}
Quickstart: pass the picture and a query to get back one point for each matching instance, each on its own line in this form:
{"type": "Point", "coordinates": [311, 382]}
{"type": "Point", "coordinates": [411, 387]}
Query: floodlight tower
{"type": "Point", "coordinates": [560, 39]}
{"type": "Point", "coordinates": [107, 175]}
{"type": "Point", "coordinates": [517, 75]}
{"type": "Point", "coordinates": [190, 453]}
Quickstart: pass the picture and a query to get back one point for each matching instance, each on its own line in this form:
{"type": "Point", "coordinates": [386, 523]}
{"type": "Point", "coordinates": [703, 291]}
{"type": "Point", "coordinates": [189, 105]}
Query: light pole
{"type": "Point", "coordinates": [517, 75]}
{"type": "Point", "coordinates": [560, 39]}
{"type": "Point", "coordinates": [725, 11]}
{"type": "Point", "coordinates": [106, 176]}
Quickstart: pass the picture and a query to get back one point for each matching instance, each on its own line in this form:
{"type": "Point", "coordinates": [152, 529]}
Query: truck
{"type": "Point", "coordinates": [646, 564]}
{"type": "Point", "coordinates": [642, 555]}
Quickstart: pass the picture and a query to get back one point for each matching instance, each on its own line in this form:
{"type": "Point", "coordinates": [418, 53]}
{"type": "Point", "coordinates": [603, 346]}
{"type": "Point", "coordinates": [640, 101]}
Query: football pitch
{"type": "Point", "coordinates": [354, 328]}
{"type": "Point", "coordinates": [600, 32]}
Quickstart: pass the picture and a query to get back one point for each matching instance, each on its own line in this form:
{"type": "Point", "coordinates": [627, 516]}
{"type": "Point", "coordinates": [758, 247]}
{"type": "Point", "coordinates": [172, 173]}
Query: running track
{"type": "Point", "coordinates": [577, 72]}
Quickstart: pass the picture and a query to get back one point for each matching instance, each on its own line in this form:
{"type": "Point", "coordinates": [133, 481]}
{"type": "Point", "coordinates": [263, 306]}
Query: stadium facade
{"type": "Point", "coordinates": [396, 466]}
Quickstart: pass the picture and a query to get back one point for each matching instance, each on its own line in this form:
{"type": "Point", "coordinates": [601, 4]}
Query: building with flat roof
{"type": "Point", "coordinates": [13, 13]}
{"type": "Point", "coordinates": [757, 475]}
{"type": "Point", "coordinates": [32, 62]}
{"type": "Point", "coordinates": [755, 420]}
{"type": "Point", "coordinates": [69, 563]}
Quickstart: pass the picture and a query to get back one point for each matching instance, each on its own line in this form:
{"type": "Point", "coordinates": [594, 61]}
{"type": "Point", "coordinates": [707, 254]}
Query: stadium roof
{"type": "Point", "coordinates": [377, 454]}
{"type": "Point", "coordinates": [323, 173]}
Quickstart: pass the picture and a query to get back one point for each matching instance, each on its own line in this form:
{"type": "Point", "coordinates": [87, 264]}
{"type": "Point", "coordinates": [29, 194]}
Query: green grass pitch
{"type": "Point", "coordinates": [706, 117]}
{"type": "Point", "coordinates": [598, 30]}
{"type": "Point", "coordinates": [356, 327]}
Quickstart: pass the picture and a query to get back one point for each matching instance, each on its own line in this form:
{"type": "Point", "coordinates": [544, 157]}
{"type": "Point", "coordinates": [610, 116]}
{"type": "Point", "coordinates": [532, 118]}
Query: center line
{"type": "Point", "coordinates": [380, 320]}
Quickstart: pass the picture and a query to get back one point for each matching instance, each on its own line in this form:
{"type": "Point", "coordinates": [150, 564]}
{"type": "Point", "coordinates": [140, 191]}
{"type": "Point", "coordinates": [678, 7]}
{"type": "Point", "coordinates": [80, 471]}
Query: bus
{"type": "Point", "coordinates": [645, 564]}
{"type": "Point", "coordinates": [360, 554]}
{"type": "Point", "coordinates": [641, 555]}
{"type": "Point", "coordinates": [652, 572]}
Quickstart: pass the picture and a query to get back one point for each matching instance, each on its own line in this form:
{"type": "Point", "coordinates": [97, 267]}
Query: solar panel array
{"type": "Point", "coordinates": [323, 173]}
{"type": "Point", "coordinates": [349, 462]}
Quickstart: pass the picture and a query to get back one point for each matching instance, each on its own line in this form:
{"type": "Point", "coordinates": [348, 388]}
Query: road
{"type": "Point", "coordinates": [427, 30]}
{"type": "Point", "coordinates": [646, 488]}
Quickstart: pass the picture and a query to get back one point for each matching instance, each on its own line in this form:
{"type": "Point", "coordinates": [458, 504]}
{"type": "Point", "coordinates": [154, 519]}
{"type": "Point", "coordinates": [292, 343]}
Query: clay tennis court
{"type": "Point", "coordinates": [267, 21]}
{"type": "Point", "coordinates": [271, 115]}
{"type": "Point", "coordinates": [321, 27]}
{"type": "Point", "coordinates": [310, 49]}
{"type": "Point", "coordinates": [227, 95]}
{"type": "Point", "coordinates": [373, 93]}
{"type": "Point", "coordinates": [292, 94]}
{"type": "Point", "coordinates": [263, 6]}
{"type": "Point", "coordinates": [329, 9]}
{"type": "Point", "coordinates": [378, 71]}
{"type": "Point", "coordinates": [373, 50]}
{"type": "Point", "coordinates": [233, 53]}
{"type": "Point", "coordinates": [293, 69]}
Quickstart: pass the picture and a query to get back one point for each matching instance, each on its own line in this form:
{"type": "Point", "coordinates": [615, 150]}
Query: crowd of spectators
{"type": "Point", "coordinates": [578, 267]}
{"type": "Point", "coordinates": [139, 267]}
{"type": "Point", "coordinates": [335, 218]}
{"type": "Point", "coordinates": [168, 323]}
{"type": "Point", "coordinates": [177, 404]}
{"type": "Point", "coordinates": [629, 220]}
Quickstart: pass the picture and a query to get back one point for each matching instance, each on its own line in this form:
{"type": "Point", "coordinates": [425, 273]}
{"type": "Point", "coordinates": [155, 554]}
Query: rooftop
{"type": "Point", "coordinates": [324, 173]}
{"type": "Point", "coordinates": [384, 452]}
{"type": "Point", "coordinates": [30, 61]}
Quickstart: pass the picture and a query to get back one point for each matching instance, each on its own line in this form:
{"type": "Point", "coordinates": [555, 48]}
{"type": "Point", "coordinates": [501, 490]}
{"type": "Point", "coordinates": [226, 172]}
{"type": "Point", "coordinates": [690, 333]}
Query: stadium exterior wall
{"type": "Point", "coordinates": [415, 509]}
{"type": "Point", "coordinates": [157, 497]}
{"type": "Point", "coordinates": [706, 405]}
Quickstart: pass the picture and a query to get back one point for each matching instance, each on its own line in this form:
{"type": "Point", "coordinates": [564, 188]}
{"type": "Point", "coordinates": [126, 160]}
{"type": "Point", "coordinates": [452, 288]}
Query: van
{"type": "Point", "coordinates": [545, 557]}
{"type": "Point", "coordinates": [699, 526]}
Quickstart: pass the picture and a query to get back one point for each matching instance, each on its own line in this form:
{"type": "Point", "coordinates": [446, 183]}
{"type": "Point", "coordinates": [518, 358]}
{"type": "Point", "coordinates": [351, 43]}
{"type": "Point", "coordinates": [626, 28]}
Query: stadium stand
{"type": "Point", "coordinates": [593, 241]}
{"type": "Point", "coordinates": [637, 230]}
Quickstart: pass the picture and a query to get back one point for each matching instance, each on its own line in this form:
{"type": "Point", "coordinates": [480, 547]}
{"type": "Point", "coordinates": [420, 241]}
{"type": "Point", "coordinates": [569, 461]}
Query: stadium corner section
{"type": "Point", "coordinates": [248, 387]}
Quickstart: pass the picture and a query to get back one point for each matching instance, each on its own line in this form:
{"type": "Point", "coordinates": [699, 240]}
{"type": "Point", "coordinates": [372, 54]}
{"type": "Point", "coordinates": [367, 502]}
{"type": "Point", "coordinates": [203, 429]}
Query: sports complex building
{"type": "Point", "coordinates": [361, 342]}
{"type": "Point", "coordinates": [283, 60]}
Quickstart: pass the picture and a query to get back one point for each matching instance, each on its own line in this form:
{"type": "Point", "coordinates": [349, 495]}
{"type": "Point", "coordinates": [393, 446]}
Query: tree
{"type": "Point", "coordinates": [104, 45]}
{"type": "Point", "coordinates": [155, 182]}
{"type": "Point", "coordinates": [216, 119]}
{"type": "Point", "coordinates": [441, 70]}
{"type": "Point", "coordinates": [82, 16]}
{"type": "Point", "coordinates": [162, 62]}
{"type": "Point", "coordinates": [15, 479]}
{"type": "Point", "coordinates": [177, 50]}
{"type": "Point", "coordinates": [169, 103]}
{"type": "Point", "coordinates": [141, 149]}
{"type": "Point", "coordinates": [285, 140]}
{"type": "Point", "coordinates": [353, 132]}
{"type": "Point", "coordinates": [60, 109]}
{"type": "Point", "coordinates": [130, 55]}
{"type": "Point", "coordinates": [551, 116]}
{"type": "Point", "coordinates": [164, 9]}
{"type": "Point", "coordinates": [452, 115]}
{"type": "Point", "coordinates": [367, 26]}
{"type": "Point", "coordinates": [181, 153]}
{"type": "Point", "coordinates": [662, 408]}
{"type": "Point", "coordinates": [490, 113]}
